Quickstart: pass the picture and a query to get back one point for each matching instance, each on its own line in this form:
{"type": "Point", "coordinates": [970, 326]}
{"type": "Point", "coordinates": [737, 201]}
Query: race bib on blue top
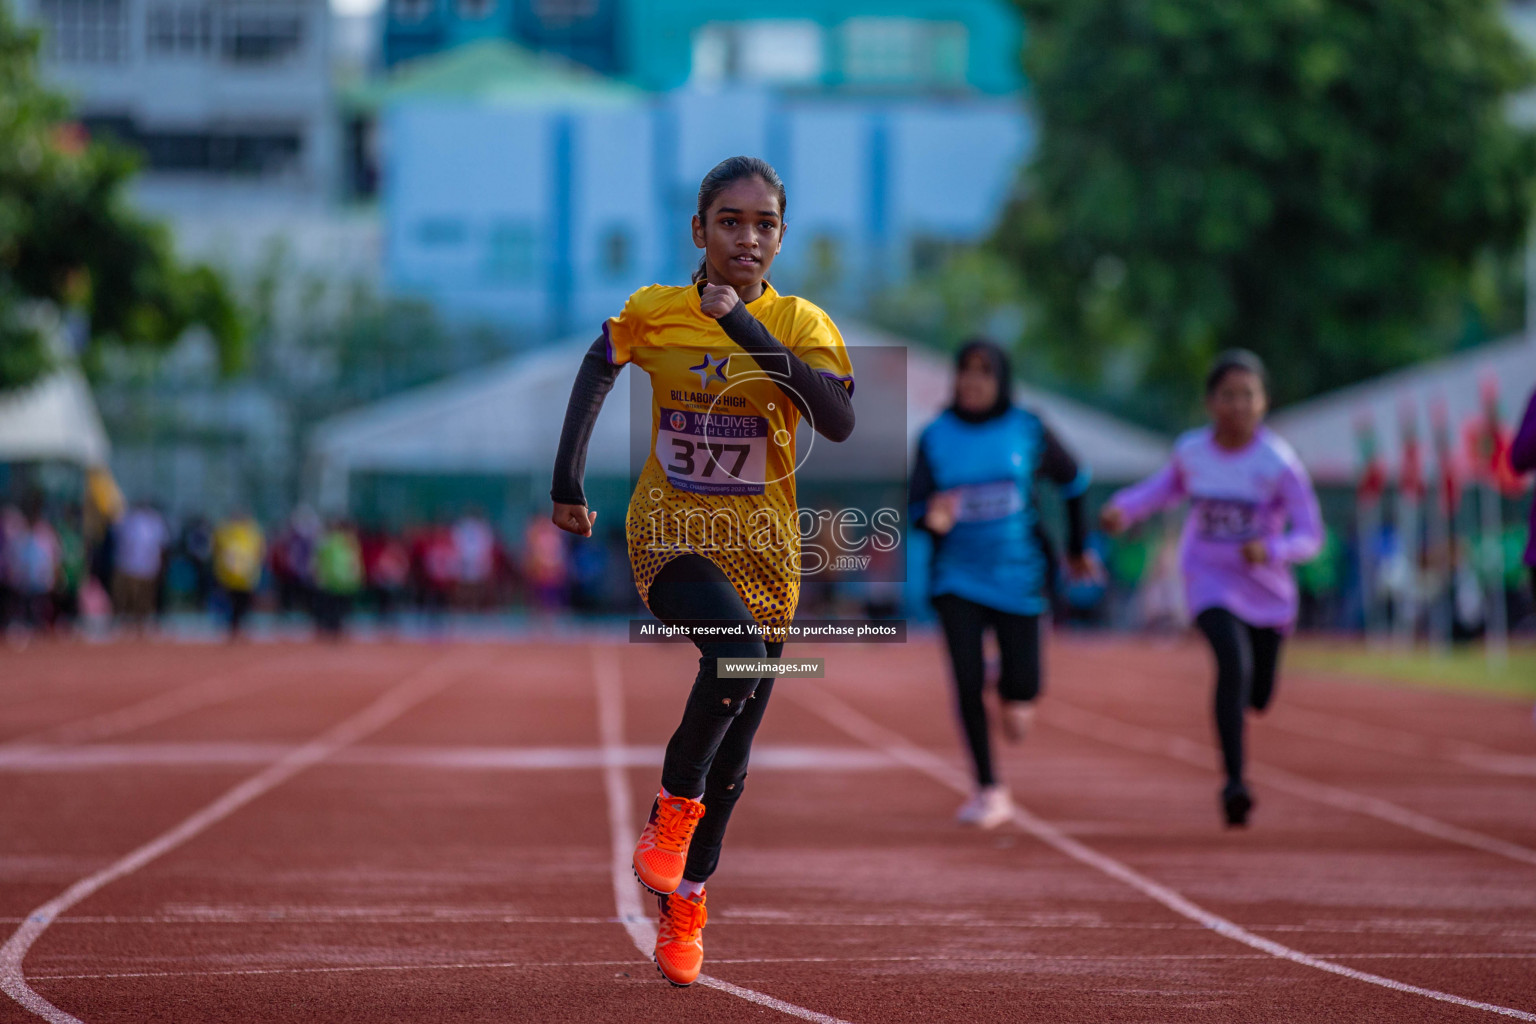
{"type": "Point", "coordinates": [996, 499]}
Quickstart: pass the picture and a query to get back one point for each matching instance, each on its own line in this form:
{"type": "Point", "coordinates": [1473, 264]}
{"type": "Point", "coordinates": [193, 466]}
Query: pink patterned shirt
{"type": "Point", "coordinates": [1261, 492]}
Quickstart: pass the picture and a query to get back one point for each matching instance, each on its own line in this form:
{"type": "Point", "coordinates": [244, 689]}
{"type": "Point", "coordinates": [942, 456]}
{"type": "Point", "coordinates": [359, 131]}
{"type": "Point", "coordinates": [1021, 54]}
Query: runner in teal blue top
{"type": "Point", "coordinates": [972, 490]}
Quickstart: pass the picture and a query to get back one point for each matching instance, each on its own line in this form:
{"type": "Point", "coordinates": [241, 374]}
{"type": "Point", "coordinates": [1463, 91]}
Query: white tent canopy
{"type": "Point", "coordinates": [1115, 450]}
{"type": "Point", "coordinates": [506, 418]}
{"type": "Point", "coordinates": [1323, 430]}
{"type": "Point", "coordinates": [52, 420]}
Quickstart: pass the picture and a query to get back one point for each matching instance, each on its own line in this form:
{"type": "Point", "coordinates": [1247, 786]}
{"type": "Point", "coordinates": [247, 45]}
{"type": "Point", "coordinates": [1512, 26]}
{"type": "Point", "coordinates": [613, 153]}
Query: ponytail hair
{"type": "Point", "coordinates": [727, 172]}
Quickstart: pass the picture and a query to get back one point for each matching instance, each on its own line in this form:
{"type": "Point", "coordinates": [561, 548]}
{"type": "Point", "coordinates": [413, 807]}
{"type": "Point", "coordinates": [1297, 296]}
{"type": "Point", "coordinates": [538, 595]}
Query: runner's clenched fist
{"type": "Point", "coordinates": [717, 300]}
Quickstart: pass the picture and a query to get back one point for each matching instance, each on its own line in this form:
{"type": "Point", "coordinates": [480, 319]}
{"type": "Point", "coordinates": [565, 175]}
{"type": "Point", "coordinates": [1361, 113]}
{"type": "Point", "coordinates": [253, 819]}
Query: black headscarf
{"type": "Point", "coordinates": [997, 359]}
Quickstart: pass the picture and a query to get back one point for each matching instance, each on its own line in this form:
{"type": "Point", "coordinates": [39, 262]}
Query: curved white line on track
{"type": "Point", "coordinates": [227, 917]}
{"type": "Point", "coordinates": [855, 724]}
{"type": "Point", "coordinates": [396, 701]}
{"type": "Point", "coordinates": [1340, 729]}
{"type": "Point", "coordinates": [948, 958]}
{"type": "Point", "coordinates": [626, 896]}
{"type": "Point", "coordinates": [149, 711]}
{"type": "Point", "coordinates": [1094, 726]}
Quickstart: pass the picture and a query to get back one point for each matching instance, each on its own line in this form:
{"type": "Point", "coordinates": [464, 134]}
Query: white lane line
{"type": "Point", "coordinates": [149, 711]}
{"type": "Point", "coordinates": [1302, 722]}
{"type": "Point", "coordinates": [96, 756]}
{"type": "Point", "coordinates": [1298, 719]}
{"type": "Point", "coordinates": [289, 917]}
{"type": "Point", "coordinates": [321, 919]}
{"type": "Point", "coordinates": [626, 896]}
{"type": "Point", "coordinates": [958, 958]}
{"type": "Point", "coordinates": [1094, 726]}
{"type": "Point", "coordinates": [349, 969]}
{"type": "Point", "coordinates": [394, 703]}
{"type": "Point", "coordinates": [857, 725]}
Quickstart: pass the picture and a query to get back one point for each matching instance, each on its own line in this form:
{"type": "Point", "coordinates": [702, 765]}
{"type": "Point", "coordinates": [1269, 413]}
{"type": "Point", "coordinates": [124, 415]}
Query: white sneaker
{"type": "Point", "coordinates": [1018, 716]}
{"type": "Point", "coordinates": [989, 808]}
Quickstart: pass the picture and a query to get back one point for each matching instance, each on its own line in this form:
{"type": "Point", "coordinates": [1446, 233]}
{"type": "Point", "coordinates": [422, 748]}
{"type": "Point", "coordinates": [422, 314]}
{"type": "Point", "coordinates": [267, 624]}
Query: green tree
{"type": "Point", "coordinates": [68, 238]}
{"type": "Point", "coordinates": [329, 344]}
{"type": "Point", "coordinates": [974, 291]}
{"type": "Point", "coordinates": [1331, 184]}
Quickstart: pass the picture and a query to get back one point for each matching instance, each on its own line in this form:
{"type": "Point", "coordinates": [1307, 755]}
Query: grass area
{"type": "Point", "coordinates": [1465, 670]}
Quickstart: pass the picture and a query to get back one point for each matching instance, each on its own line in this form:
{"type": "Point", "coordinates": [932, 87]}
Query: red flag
{"type": "Point", "coordinates": [1373, 472]}
{"type": "Point", "coordinates": [1445, 457]}
{"type": "Point", "coordinates": [1410, 479]}
{"type": "Point", "coordinates": [1496, 442]}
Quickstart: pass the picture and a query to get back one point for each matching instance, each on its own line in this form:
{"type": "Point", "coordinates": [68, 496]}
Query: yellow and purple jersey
{"type": "Point", "coordinates": [719, 479]}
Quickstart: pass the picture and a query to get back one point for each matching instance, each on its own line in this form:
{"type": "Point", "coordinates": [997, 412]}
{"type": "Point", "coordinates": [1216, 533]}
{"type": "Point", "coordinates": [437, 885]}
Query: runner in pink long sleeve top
{"type": "Point", "coordinates": [1260, 492]}
{"type": "Point", "coordinates": [1252, 516]}
{"type": "Point", "coordinates": [1522, 457]}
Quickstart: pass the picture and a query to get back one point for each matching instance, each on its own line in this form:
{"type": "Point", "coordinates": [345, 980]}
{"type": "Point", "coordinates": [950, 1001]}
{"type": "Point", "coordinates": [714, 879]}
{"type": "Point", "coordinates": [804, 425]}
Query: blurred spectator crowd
{"type": "Point", "coordinates": [63, 566]}
{"type": "Point", "coordinates": [59, 569]}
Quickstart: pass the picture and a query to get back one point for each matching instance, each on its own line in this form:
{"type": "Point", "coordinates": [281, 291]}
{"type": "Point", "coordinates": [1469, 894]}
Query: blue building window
{"type": "Point", "coordinates": [774, 51]}
{"type": "Point", "coordinates": [87, 31]}
{"type": "Point", "coordinates": [179, 30]}
{"type": "Point", "coordinates": [410, 12]}
{"type": "Point", "coordinates": [904, 52]}
{"type": "Point", "coordinates": [475, 10]}
{"type": "Point", "coordinates": [440, 232]}
{"type": "Point", "coordinates": [948, 53]}
{"type": "Point", "coordinates": [617, 253]}
{"type": "Point", "coordinates": [583, 30]}
{"type": "Point", "coordinates": [512, 252]}
{"type": "Point", "coordinates": [562, 13]}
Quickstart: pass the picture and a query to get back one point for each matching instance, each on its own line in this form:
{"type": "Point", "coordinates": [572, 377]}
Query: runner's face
{"type": "Point", "coordinates": [1238, 404]}
{"type": "Point", "coordinates": [741, 233]}
{"type": "Point", "coordinates": [976, 385]}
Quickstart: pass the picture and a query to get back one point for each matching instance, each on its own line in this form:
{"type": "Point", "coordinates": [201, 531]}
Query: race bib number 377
{"type": "Point", "coordinates": [713, 453]}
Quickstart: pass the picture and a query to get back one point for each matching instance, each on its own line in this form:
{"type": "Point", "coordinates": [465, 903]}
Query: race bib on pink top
{"type": "Point", "coordinates": [1226, 519]}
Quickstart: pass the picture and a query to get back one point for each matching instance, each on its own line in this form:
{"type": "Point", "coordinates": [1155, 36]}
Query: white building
{"type": "Point", "coordinates": [1323, 429]}
{"type": "Point", "coordinates": [227, 99]}
{"type": "Point", "coordinates": [232, 106]}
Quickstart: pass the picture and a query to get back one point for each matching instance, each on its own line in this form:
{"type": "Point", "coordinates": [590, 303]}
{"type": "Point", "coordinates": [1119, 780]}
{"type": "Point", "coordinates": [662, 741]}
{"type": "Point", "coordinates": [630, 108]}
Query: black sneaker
{"type": "Point", "coordinates": [1236, 802]}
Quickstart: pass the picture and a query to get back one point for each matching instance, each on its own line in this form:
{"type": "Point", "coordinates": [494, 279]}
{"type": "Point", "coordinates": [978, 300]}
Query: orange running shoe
{"type": "Point", "coordinates": [680, 938]}
{"type": "Point", "coordinates": [663, 847]}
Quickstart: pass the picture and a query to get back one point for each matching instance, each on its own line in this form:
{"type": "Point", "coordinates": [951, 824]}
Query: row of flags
{"type": "Point", "coordinates": [1482, 463]}
{"type": "Point", "coordinates": [1484, 457]}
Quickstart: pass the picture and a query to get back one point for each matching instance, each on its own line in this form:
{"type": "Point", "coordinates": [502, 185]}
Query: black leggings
{"type": "Point", "coordinates": [1246, 660]}
{"type": "Point", "coordinates": [708, 753]}
{"type": "Point", "coordinates": [1018, 640]}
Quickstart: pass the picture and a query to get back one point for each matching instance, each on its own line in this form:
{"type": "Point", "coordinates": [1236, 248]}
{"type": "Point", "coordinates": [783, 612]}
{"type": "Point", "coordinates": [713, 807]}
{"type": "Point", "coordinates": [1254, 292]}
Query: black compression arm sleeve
{"type": "Point", "coordinates": [820, 399]}
{"type": "Point", "coordinates": [1056, 463]}
{"type": "Point", "coordinates": [1058, 466]}
{"type": "Point", "coordinates": [1077, 526]}
{"type": "Point", "coordinates": [593, 382]}
{"type": "Point", "coordinates": [921, 487]}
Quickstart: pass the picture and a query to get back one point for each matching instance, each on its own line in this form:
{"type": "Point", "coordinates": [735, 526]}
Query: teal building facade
{"type": "Point", "coordinates": [846, 46]}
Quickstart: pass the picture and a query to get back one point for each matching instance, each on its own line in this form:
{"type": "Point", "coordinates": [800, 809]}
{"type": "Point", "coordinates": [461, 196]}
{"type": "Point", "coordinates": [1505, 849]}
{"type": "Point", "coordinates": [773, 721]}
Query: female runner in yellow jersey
{"type": "Point", "coordinates": [713, 525]}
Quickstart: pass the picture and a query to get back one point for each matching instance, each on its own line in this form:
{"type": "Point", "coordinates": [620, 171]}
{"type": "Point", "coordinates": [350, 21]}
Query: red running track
{"type": "Point", "coordinates": [434, 833]}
